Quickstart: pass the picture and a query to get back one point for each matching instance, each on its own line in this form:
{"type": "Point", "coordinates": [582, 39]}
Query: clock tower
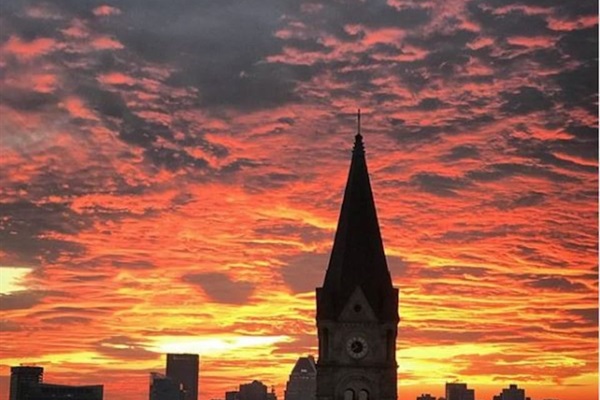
{"type": "Point", "coordinates": [357, 306]}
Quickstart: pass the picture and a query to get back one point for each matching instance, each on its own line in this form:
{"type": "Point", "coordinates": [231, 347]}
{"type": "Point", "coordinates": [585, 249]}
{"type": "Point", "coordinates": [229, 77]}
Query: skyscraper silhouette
{"type": "Point", "coordinates": [164, 388]}
{"type": "Point", "coordinates": [302, 384]}
{"type": "Point", "coordinates": [21, 378]}
{"type": "Point", "coordinates": [183, 369]}
{"type": "Point", "coordinates": [357, 307]}
{"type": "Point", "coordinates": [26, 383]}
{"type": "Point", "coordinates": [459, 391]}
{"type": "Point", "coordinates": [511, 393]}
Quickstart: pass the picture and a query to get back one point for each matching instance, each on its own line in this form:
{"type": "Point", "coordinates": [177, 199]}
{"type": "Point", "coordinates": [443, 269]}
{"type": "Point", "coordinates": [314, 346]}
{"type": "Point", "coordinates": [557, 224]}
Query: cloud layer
{"type": "Point", "coordinates": [175, 172]}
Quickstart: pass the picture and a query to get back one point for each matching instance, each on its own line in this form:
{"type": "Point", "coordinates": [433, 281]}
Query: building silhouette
{"type": "Point", "coordinates": [255, 390]}
{"type": "Point", "coordinates": [26, 383]}
{"type": "Point", "coordinates": [21, 378]}
{"type": "Point", "coordinates": [426, 396]}
{"type": "Point", "coordinates": [459, 391]}
{"type": "Point", "coordinates": [233, 395]}
{"type": "Point", "coordinates": [164, 388]}
{"type": "Point", "coordinates": [512, 393]}
{"type": "Point", "coordinates": [357, 306]}
{"type": "Point", "coordinates": [302, 384]}
{"type": "Point", "coordinates": [183, 369]}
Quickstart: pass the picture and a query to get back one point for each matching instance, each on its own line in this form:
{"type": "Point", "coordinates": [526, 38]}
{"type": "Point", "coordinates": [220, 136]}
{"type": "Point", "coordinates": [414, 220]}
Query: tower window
{"type": "Point", "coordinates": [349, 394]}
{"type": "Point", "coordinates": [363, 395]}
{"type": "Point", "coordinates": [357, 308]}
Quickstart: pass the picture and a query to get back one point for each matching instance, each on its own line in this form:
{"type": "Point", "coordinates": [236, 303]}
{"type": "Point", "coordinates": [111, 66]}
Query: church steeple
{"type": "Point", "coordinates": [357, 307]}
{"type": "Point", "coordinates": [357, 258]}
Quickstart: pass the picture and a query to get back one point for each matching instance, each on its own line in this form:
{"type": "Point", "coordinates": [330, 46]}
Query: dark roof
{"type": "Point", "coordinates": [305, 365]}
{"type": "Point", "coordinates": [357, 258]}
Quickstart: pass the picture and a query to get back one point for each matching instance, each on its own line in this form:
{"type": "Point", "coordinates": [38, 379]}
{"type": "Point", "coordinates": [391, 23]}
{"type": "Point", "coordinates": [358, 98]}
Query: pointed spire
{"type": "Point", "coordinates": [357, 258]}
{"type": "Point", "coordinates": [358, 142]}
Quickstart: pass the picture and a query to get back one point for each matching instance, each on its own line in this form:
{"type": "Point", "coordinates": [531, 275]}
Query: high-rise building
{"type": "Point", "coordinates": [26, 383]}
{"type": "Point", "coordinates": [255, 390]}
{"type": "Point", "coordinates": [357, 306]}
{"type": "Point", "coordinates": [48, 391]}
{"type": "Point", "coordinates": [21, 378]}
{"type": "Point", "coordinates": [512, 393]}
{"type": "Point", "coordinates": [164, 388]}
{"type": "Point", "coordinates": [426, 396]}
{"type": "Point", "coordinates": [302, 384]}
{"type": "Point", "coordinates": [233, 395]}
{"type": "Point", "coordinates": [183, 369]}
{"type": "Point", "coordinates": [459, 391]}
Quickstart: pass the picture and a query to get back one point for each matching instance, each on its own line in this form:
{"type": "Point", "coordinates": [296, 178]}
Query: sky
{"type": "Point", "coordinates": [171, 175]}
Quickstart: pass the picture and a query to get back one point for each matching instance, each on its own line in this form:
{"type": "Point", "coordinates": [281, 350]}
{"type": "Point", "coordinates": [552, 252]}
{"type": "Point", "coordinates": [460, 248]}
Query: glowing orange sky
{"type": "Point", "coordinates": [171, 177]}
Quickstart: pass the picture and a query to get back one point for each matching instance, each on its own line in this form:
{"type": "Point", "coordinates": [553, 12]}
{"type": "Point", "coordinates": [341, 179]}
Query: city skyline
{"type": "Point", "coordinates": [171, 179]}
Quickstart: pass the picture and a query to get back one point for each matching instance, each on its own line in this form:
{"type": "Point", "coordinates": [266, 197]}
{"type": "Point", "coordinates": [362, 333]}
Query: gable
{"type": "Point", "coordinates": [357, 308]}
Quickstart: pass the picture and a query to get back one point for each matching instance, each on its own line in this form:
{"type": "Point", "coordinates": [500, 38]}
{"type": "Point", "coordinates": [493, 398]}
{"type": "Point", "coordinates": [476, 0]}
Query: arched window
{"type": "Point", "coordinates": [363, 395]}
{"type": "Point", "coordinates": [349, 394]}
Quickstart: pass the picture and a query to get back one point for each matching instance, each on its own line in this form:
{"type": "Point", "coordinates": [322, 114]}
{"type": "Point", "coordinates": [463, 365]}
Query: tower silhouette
{"type": "Point", "coordinates": [357, 306]}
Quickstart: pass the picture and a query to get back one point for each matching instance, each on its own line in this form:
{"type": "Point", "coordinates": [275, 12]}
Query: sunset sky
{"type": "Point", "coordinates": [171, 174]}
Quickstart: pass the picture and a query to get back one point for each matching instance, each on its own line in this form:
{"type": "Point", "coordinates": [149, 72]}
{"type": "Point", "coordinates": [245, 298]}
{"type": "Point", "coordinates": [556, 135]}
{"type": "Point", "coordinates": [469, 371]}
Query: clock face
{"type": "Point", "coordinates": [357, 347]}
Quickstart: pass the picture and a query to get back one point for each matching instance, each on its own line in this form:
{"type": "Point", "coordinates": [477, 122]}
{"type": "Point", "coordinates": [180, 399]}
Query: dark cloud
{"type": "Point", "coordinates": [456, 39]}
{"type": "Point", "coordinates": [534, 256]}
{"type": "Point", "coordinates": [125, 348]}
{"type": "Point", "coordinates": [23, 100]}
{"type": "Point", "coordinates": [174, 160]}
{"type": "Point", "coordinates": [500, 171]}
{"type": "Point", "coordinates": [398, 266]}
{"type": "Point", "coordinates": [580, 44]}
{"type": "Point", "coordinates": [584, 133]}
{"type": "Point", "coordinates": [24, 229]}
{"type": "Point", "coordinates": [438, 185]}
{"type": "Point", "coordinates": [544, 152]}
{"type": "Point", "coordinates": [220, 50]}
{"type": "Point", "coordinates": [305, 233]}
{"type": "Point", "coordinates": [510, 23]}
{"type": "Point", "coordinates": [559, 7]}
{"type": "Point", "coordinates": [471, 235]}
{"type": "Point", "coordinates": [558, 284]}
{"type": "Point", "coordinates": [128, 262]}
{"type": "Point", "coordinates": [461, 152]}
{"type": "Point", "coordinates": [72, 311]}
{"type": "Point", "coordinates": [587, 315]}
{"type": "Point", "coordinates": [304, 272]}
{"type": "Point", "coordinates": [220, 288]}
{"type": "Point", "coordinates": [66, 320]}
{"type": "Point", "coordinates": [529, 199]}
{"type": "Point", "coordinates": [21, 300]}
{"type": "Point", "coordinates": [414, 133]}
{"type": "Point", "coordinates": [10, 326]}
{"type": "Point", "coordinates": [445, 62]}
{"type": "Point", "coordinates": [265, 181]}
{"type": "Point", "coordinates": [524, 100]}
{"type": "Point", "coordinates": [579, 86]}
{"type": "Point", "coordinates": [106, 103]}
{"type": "Point", "coordinates": [335, 16]}
{"type": "Point", "coordinates": [429, 104]}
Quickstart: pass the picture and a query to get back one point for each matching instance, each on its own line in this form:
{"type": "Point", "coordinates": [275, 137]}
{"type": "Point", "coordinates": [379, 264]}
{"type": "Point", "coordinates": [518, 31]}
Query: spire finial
{"type": "Point", "coordinates": [358, 143]}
